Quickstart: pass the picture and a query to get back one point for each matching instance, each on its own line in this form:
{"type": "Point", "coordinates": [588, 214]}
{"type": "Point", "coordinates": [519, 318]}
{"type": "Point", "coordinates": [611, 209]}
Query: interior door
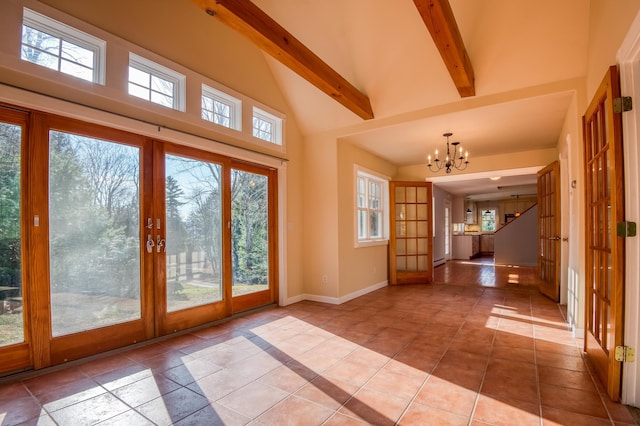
{"type": "Point", "coordinates": [411, 233]}
{"type": "Point", "coordinates": [90, 275]}
{"type": "Point", "coordinates": [602, 129]}
{"type": "Point", "coordinates": [549, 249]}
{"type": "Point", "coordinates": [15, 350]}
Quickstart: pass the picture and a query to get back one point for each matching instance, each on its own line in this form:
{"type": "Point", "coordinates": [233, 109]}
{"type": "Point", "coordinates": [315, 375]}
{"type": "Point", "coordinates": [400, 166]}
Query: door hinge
{"type": "Point", "coordinates": [625, 354]}
{"type": "Point", "coordinates": [626, 229]}
{"type": "Point", "coordinates": [622, 104]}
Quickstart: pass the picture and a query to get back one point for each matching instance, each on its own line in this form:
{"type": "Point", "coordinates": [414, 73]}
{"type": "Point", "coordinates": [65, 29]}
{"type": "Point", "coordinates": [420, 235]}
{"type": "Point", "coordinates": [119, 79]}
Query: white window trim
{"type": "Point", "coordinates": [43, 23]}
{"type": "Point", "coordinates": [178, 80]}
{"type": "Point", "coordinates": [276, 122]}
{"type": "Point", "coordinates": [362, 171]}
{"type": "Point", "coordinates": [225, 98]}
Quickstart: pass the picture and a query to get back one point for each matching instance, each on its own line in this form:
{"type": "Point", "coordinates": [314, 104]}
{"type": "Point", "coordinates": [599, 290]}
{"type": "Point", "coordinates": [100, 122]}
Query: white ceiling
{"type": "Point", "coordinates": [528, 59]}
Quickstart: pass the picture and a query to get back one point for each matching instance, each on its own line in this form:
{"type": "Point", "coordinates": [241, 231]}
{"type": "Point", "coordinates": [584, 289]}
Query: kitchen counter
{"type": "Point", "coordinates": [465, 246]}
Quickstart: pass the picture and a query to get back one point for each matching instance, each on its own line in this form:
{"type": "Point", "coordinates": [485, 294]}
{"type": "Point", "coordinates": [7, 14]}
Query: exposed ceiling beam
{"type": "Point", "coordinates": [250, 21]}
{"type": "Point", "coordinates": [438, 17]}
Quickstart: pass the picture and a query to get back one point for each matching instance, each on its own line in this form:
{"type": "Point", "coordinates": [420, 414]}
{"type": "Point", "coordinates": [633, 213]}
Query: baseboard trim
{"type": "Point", "coordinates": [335, 300]}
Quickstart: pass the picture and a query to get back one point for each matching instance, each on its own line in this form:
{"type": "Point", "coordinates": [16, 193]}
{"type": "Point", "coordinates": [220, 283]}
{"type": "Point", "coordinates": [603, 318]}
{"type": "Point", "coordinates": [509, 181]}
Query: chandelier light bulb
{"type": "Point", "coordinates": [453, 158]}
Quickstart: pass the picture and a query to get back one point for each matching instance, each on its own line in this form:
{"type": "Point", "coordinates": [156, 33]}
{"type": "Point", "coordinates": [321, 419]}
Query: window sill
{"type": "Point", "coordinates": [371, 243]}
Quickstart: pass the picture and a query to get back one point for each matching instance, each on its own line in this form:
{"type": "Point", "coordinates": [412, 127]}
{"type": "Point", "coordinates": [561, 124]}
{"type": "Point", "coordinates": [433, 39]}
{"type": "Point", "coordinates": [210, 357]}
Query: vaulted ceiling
{"type": "Point", "coordinates": [528, 59]}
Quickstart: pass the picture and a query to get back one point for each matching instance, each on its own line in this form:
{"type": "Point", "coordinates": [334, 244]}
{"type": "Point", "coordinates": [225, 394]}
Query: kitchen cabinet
{"type": "Point", "coordinates": [470, 213]}
{"type": "Point", "coordinates": [486, 243]}
{"type": "Point", "coordinates": [465, 246]}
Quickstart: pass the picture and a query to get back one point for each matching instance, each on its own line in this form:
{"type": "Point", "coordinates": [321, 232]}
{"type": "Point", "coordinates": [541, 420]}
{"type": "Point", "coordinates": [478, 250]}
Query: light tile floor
{"type": "Point", "coordinates": [438, 354]}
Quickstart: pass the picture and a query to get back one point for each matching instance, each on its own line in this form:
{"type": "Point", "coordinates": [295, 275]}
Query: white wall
{"type": "Point", "coordinates": [517, 242]}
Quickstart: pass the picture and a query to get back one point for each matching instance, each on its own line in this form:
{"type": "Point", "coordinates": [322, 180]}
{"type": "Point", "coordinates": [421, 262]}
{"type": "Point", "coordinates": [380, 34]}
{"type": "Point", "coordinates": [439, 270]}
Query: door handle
{"type": "Point", "coordinates": [555, 238]}
{"type": "Point", "coordinates": [160, 244]}
{"type": "Point", "coordinates": [150, 243]}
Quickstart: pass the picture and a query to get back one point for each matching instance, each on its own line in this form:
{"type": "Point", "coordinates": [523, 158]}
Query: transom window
{"type": "Point", "coordinates": [371, 206]}
{"type": "Point", "coordinates": [156, 83]}
{"type": "Point", "coordinates": [267, 126]}
{"type": "Point", "coordinates": [220, 108]}
{"type": "Point", "coordinates": [62, 48]}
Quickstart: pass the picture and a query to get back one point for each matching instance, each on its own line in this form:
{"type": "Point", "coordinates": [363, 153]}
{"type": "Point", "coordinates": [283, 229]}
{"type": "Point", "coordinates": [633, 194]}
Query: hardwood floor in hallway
{"type": "Point", "coordinates": [464, 353]}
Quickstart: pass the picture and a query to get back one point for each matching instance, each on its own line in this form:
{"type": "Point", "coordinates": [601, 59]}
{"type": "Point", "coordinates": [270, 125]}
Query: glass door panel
{"type": "Point", "coordinates": [249, 232]}
{"type": "Point", "coordinates": [94, 233]}
{"type": "Point", "coordinates": [193, 232]}
{"type": "Point", "coordinates": [11, 309]}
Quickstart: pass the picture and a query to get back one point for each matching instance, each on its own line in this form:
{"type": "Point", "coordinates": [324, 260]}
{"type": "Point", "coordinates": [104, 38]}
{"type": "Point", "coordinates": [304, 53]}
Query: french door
{"type": "Point", "coordinates": [110, 238]}
{"type": "Point", "coordinates": [604, 189]}
{"type": "Point", "coordinates": [15, 338]}
{"type": "Point", "coordinates": [411, 236]}
{"type": "Point", "coordinates": [549, 230]}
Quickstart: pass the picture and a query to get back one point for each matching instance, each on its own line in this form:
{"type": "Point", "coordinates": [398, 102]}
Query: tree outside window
{"type": "Point", "coordinates": [488, 220]}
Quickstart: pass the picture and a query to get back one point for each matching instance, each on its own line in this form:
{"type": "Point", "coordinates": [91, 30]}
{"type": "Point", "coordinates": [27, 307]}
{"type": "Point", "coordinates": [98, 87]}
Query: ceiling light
{"type": "Point", "coordinates": [495, 177]}
{"type": "Point", "coordinates": [453, 160]}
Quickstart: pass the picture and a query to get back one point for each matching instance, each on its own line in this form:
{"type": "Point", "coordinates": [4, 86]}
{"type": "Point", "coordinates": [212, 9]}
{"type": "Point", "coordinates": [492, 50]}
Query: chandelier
{"type": "Point", "coordinates": [453, 160]}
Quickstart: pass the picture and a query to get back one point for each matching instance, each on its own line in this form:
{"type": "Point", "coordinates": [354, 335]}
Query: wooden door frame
{"type": "Point", "coordinates": [628, 57]}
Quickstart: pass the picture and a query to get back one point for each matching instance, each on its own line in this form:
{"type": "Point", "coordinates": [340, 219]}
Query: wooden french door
{"type": "Point", "coordinates": [89, 189]}
{"type": "Point", "coordinates": [109, 238]}
{"type": "Point", "coordinates": [602, 129]}
{"type": "Point", "coordinates": [188, 237]}
{"type": "Point", "coordinates": [411, 233]}
{"type": "Point", "coordinates": [15, 338]}
{"type": "Point", "coordinates": [549, 230]}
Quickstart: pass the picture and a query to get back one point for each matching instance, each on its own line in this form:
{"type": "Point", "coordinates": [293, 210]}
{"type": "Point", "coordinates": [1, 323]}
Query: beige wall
{"type": "Point", "coordinates": [217, 53]}
{"type": "Point", "coordinates": [609, 23]}
{"type": "Point", "coordinates": [358, 268]}
{"type": "Point", "coordinates": [320, 200]}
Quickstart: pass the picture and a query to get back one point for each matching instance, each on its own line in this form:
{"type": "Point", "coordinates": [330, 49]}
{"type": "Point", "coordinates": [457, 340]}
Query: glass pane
{"type": "Point", "coordinates": [412, 264]}
{"type": "Point", "coordinates": [422, 263]}
{"type": "Point", "coordinates": [249, 232]}
{"type": "Point", "coordinates": [421, 195]}
{"type": "Point", "coordinates": [194, 228]}
{"type": "Point", "coordinates": [94, 233]}
{"type": "Point", "coordinates": [422, 212]}
{"type": "Point", "coordinates": [11, 319]}
{"type": "Point", "coordinates": [139, 92]}
{"type": "Point", "coordinates": [362, 224]}
{"type": "Point", "coordinates": [77, 54]}
{"type": "Point", "coordinates": [161, 85]}
{"type": "Point", "coordinates": [139, 77]}
{"type": "Point", "coordinates": [412, 246]}
{"type": "Point", "coordinates": [375, 224]}
{"type": "Point", "coordinates": [411, 212]}
{"type": "Point", "coordinates": [163, 100]}
{"type": "Point", "coordinates": [411, 194]}
{"type": "Point", "coordinates": [411, 229]}
{"type": "Point", "coordinates": [401, 263]}
{"type": "Point", "coordinates": [401, 247]}
{"type": "Point", "coordinates": [76, 70]}
{"type": "Point", "coordinates": [422, 245]}
{"type": "Point", "coordinates": [400, 194]}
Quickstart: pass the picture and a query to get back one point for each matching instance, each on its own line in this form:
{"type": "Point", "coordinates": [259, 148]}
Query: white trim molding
{"type": "Point", "coordinates": [629, 62]}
